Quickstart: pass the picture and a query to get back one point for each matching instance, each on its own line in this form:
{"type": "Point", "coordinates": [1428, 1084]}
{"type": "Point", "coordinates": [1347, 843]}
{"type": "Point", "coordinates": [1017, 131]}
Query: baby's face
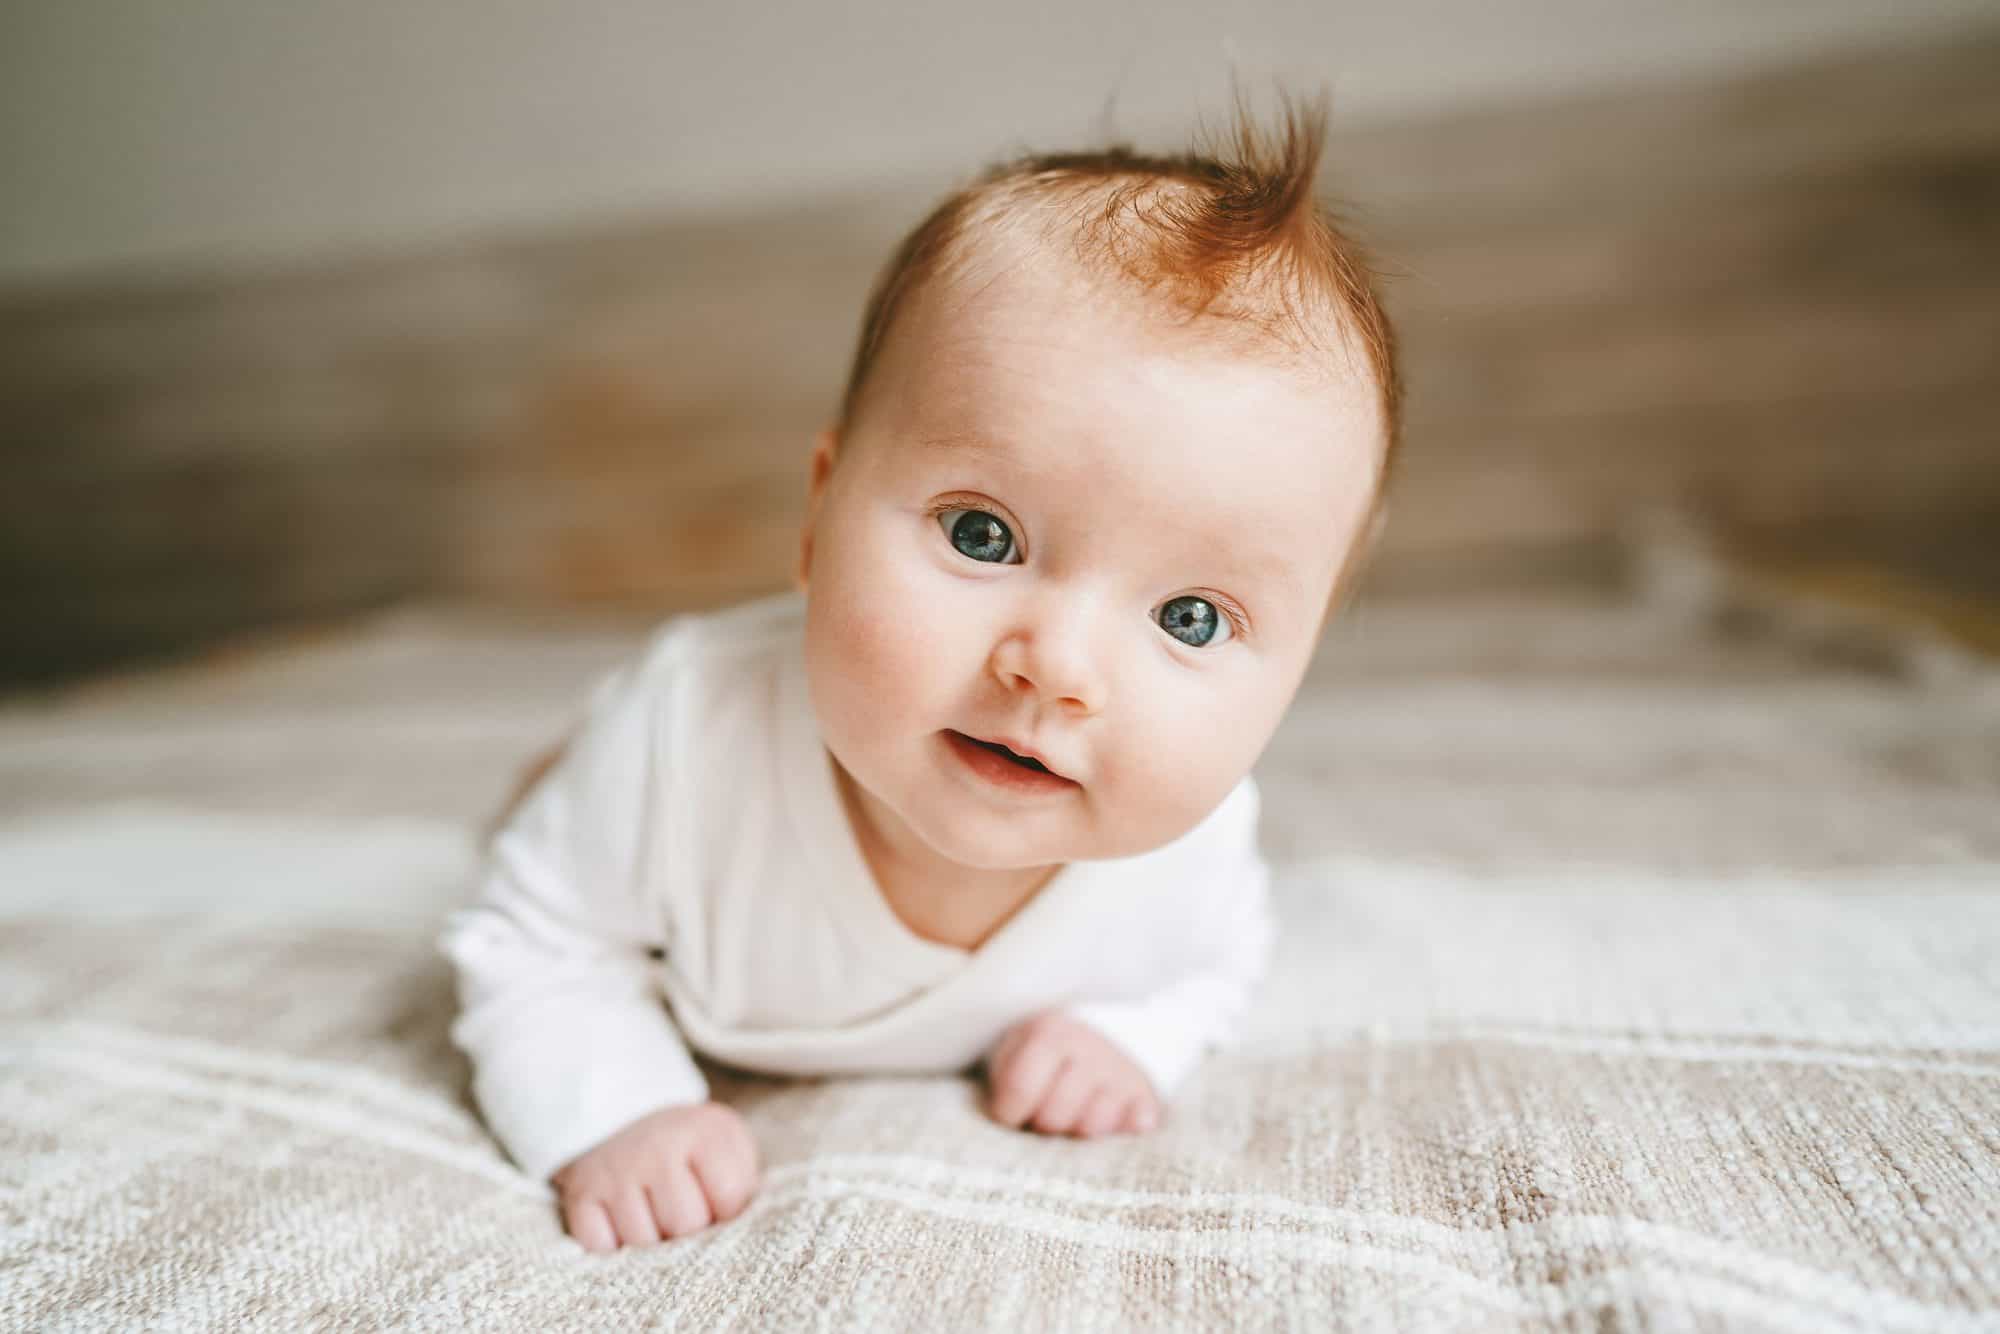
{"type": "Point", "coordinates": [1060, 524]}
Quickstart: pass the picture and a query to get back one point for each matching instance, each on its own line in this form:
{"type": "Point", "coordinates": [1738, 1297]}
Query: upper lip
{"type": "Point", "coordinates": [1024, 750]}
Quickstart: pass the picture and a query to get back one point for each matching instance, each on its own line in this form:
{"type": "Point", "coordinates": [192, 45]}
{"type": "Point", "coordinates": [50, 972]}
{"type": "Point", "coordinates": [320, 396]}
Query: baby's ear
{"type": "Point", "coordinates": [826, 447]}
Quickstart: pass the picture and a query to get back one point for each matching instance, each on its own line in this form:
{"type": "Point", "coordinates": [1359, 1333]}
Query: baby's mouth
{"type": "Point", "coordinates": [998, 749]}
{"type": "Point", "coordinates": [1030, 770]}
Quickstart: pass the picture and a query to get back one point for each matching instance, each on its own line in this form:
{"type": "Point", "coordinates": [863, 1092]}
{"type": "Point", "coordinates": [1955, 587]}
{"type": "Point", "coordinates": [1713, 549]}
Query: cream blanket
{"type": "Point", "coordinates": [1733, 1062]}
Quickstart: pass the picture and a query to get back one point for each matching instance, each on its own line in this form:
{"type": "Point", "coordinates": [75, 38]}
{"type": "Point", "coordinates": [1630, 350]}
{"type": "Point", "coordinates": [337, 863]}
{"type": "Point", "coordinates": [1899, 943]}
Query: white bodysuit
{"type": "Point", "coordinates": [691, 848]}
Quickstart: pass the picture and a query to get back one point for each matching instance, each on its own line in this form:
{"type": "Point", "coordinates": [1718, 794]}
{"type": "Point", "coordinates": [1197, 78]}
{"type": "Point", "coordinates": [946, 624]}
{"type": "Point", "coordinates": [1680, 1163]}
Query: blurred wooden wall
{"type": "Point", "coordinates": [1773, 302]}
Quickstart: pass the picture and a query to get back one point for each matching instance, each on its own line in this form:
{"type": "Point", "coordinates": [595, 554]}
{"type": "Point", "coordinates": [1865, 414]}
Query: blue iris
{"type": "Point", "coordinates": [1192, 620]}
{"type": "Point", "coordinates": [980, 535]}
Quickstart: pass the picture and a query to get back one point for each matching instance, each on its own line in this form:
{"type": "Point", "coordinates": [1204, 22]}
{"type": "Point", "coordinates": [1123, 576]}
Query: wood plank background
{"type": "Point", "coordinates": [1769, 303]}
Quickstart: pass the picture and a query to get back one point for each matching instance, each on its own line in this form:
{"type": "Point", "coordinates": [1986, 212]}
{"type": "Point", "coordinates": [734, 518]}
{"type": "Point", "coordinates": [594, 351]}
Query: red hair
{"type": "Point", "coordinates": [1235, 234]}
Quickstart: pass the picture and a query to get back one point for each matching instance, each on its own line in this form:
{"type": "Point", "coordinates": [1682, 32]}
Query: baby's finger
{"type": "Point", "coordinates": [590, 1225]}
{"type": "Point", "coordinates": [633, 1216]}
{"type": "Point", "coordinates": [678, 1203]}
{"type": "Point", "coordinates": [724, 1181]}
{"type": "Point", "coordinates": [1020, 1085]}
{"type": "Point", "coordinates": [1101, 1115]}
{"type": "Point", "coordinates": [1003, 1050]}
{"type": "Point", "coordinates": [1058, 1112]}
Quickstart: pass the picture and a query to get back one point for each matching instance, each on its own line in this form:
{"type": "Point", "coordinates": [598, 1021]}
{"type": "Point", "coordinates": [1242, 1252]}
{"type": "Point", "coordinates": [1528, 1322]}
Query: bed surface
{"type": "Point", "coordinates": [1634, 972]}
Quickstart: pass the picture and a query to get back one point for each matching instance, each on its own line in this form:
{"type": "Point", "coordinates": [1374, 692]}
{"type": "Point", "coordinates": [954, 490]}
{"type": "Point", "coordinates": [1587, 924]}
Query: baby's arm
{"type": "Point", "coordinates": [1106, 1067]}
{"type": "Point", "coordinates": [576, 1065]}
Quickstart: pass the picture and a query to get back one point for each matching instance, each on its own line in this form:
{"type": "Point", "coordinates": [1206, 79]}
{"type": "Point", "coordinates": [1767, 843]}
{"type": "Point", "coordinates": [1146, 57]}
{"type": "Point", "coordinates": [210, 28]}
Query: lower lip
{"type": "Point", "coordinates": [1002, 772]}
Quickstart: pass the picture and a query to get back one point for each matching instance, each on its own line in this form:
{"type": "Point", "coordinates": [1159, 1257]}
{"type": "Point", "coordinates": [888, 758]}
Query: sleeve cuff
{"type": "Point", "coordinates": [1159, 1045]}
{"type": "Point", "coordinates": [562, 1088]}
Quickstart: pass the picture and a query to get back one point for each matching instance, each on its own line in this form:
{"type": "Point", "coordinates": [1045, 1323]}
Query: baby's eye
{"type": "Point", "coordinates": [1194, 621]}
{"type": "Point", "coordinates": [979, 535]}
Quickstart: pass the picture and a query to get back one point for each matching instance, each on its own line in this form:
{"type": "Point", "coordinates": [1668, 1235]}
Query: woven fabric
{"type": "Point", "coordinates": [1569, 1105]}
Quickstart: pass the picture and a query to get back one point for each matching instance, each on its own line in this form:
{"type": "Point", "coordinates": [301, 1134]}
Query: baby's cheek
{"type": "Point", "coordinates": [1140, 807]}
{"type": "Point", "coordinates": [1172, 773]}
{"type": "Point", "coordinates": [881, 641]}
{"type": "Point", "coordinates": [871, 655]}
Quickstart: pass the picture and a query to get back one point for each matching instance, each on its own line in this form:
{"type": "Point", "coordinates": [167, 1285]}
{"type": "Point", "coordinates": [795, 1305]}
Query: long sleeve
{"type": "Point", "coordinates": [1167, 1032]}
{"type": "Point", "coordinates": [566, 1030]}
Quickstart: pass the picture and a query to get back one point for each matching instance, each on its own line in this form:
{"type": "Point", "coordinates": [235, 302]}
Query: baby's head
{"type": "Point", "coordinates": [1116, 434]}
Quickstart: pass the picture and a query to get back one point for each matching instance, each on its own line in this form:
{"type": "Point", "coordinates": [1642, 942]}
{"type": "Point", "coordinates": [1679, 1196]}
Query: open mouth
{"type": "Point", "coordinates": [1007, 768]}
{"type": "Point", "coordinates": [998, 749]}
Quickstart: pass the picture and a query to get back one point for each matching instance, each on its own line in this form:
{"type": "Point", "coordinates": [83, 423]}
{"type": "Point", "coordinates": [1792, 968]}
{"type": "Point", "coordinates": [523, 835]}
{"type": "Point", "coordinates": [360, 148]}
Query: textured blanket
{"type": "Point", "coordinates": [1733, 1062]}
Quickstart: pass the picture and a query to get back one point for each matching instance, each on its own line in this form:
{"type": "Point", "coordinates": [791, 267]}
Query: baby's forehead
{"type": "Point", "coordinates": [1002, 284]}
{"type": "Point", "coordinates": [1000, 336]}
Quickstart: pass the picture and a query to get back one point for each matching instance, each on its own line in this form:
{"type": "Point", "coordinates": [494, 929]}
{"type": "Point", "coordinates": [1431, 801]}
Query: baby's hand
{"type": "Point", "coordinates": [668, 1174]}
{"type": "Point", "coordinates": [1060, 1076]}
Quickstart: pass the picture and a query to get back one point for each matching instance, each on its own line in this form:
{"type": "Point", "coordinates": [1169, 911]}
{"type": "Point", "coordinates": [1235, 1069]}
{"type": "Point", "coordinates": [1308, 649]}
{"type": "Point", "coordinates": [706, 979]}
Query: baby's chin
{"type": "Point", "coordinates": [985, 844]}
{"type": "Point", "coordinates": [990, 841]}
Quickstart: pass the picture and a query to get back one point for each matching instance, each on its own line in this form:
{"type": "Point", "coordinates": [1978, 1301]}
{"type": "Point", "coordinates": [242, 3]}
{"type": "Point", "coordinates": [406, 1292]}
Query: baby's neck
{"type": "Point", "coordinates": [935, 898]}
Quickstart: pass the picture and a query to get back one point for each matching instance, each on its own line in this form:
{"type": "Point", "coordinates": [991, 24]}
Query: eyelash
{"type": "Point", "coordinates": [1239, 624]}
{"type": "Point", "coordinates": [967, 502]}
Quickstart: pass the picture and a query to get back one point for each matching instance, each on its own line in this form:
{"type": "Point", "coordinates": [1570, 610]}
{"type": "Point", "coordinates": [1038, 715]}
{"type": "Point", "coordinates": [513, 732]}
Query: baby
{"type": "Point", "coordinates": [976, 793]}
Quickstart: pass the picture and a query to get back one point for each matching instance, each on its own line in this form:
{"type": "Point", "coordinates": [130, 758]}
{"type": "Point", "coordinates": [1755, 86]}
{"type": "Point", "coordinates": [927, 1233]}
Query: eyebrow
{"type": "Point", "coordinates": [977, 444]}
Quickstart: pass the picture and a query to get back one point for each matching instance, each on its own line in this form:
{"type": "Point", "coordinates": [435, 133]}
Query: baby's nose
{"type": "Point", "coordinates": [1055, 661]}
